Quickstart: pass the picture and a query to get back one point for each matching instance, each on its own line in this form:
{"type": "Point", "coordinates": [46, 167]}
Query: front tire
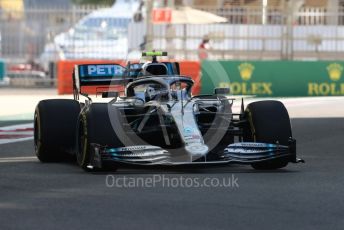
{"type": "Point", "coordinates": [54, 127]}
{"type": "Point", "coordinates": [269, 122]}
{"type": "Point", "coordinates": [94, 127]}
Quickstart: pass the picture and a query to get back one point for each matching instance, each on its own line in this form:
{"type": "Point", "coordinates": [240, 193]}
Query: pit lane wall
{"type": "Point", "coordinates": [274, 78]}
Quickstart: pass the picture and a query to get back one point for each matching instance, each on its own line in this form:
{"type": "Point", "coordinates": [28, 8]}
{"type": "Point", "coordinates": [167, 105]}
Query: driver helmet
{"type": "Point", "coordinates": [150, 93]}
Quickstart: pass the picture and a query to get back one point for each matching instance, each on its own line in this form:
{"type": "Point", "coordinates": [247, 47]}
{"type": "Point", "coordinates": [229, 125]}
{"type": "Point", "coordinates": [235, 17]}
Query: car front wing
{"type": "Point", "coordinates": [148, 155]}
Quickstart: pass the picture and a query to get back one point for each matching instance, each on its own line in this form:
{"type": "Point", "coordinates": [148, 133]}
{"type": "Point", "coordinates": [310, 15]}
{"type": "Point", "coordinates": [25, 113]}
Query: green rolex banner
{"type": "Point", "coordinates": [274, 78]}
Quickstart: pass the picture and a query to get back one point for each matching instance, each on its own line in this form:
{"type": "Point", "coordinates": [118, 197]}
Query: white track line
{"type": "Point", "coordinates": [8, 141]}
{"type": "Point", "coordinates": [17, 159]}
{"type": "Point", "coordinates": [14, 127]}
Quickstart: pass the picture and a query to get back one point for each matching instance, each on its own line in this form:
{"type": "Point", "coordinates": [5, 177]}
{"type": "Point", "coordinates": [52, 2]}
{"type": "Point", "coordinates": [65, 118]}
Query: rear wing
{"type": "Point", "coordinates": [98, 75]}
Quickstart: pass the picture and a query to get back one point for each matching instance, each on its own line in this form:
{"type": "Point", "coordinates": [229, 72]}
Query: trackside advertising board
{"type": "Point", "coordinates": [2, 70]}
{"type": "Point", "coordinates": [275, 78]}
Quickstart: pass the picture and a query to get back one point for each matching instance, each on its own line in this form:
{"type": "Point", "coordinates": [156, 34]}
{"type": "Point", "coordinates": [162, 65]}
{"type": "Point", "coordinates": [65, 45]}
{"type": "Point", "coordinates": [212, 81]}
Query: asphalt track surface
{"type": "Point", "coordinates": [34, 195]}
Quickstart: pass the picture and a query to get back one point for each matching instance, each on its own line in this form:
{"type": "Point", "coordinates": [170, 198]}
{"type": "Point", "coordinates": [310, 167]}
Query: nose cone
{"type": "Point", "coordinates": [197, 149]}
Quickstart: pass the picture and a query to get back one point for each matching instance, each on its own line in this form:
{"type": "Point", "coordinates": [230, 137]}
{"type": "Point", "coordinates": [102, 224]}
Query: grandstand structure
{"type": "Point", "coordinates": [268, 29]}
{"type": "Point", "coordinates": [258, 3]}
{"type": "Point", "coordinates": [255, 29]}
{"type": "Point", "coordinates": [308, 11]}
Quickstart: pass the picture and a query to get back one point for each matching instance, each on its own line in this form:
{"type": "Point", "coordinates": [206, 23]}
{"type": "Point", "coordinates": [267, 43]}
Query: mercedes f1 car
{"type": "Point", "coordinates": [157, 121]}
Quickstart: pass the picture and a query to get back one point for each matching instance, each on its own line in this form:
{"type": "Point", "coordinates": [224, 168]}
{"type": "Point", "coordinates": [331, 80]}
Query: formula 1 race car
{"type": "Point", "coordinates": [158, 122]}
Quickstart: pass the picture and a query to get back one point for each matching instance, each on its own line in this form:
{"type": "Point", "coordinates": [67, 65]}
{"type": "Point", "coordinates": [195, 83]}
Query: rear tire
{"type": "Point", "coordinates": [268, 123]}
{"type": "Point", "coordinates": [94, 126]}
{"type": "Point", "coordinates": [54, 127]}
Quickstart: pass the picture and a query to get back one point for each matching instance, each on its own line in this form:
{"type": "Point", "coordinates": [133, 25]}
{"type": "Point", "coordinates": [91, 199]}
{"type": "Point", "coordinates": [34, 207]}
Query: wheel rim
{"type": "Point", "coordinates": [81, 141]}
{"type": "Point", "coordinates": [36, 133]}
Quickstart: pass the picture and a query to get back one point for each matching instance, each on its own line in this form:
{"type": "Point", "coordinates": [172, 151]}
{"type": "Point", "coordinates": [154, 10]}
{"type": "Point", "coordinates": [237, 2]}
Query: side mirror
{"type": "Point", "coordinates": [219, 91]}
{"type": "Point", "coordinates": [109, 94]}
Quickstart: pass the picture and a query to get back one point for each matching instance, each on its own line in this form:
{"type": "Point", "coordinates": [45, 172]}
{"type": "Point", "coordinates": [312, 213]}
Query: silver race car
{"type": "Point", "coordinates": [158, 122]}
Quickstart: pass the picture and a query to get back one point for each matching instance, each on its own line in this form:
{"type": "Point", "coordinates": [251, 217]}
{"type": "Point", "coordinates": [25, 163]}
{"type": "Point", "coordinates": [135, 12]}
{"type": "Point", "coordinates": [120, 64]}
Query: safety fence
{"type": "Point", "coordinates": [250, 33]}
{"type": "Point", "coordinates": [25, 33]}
